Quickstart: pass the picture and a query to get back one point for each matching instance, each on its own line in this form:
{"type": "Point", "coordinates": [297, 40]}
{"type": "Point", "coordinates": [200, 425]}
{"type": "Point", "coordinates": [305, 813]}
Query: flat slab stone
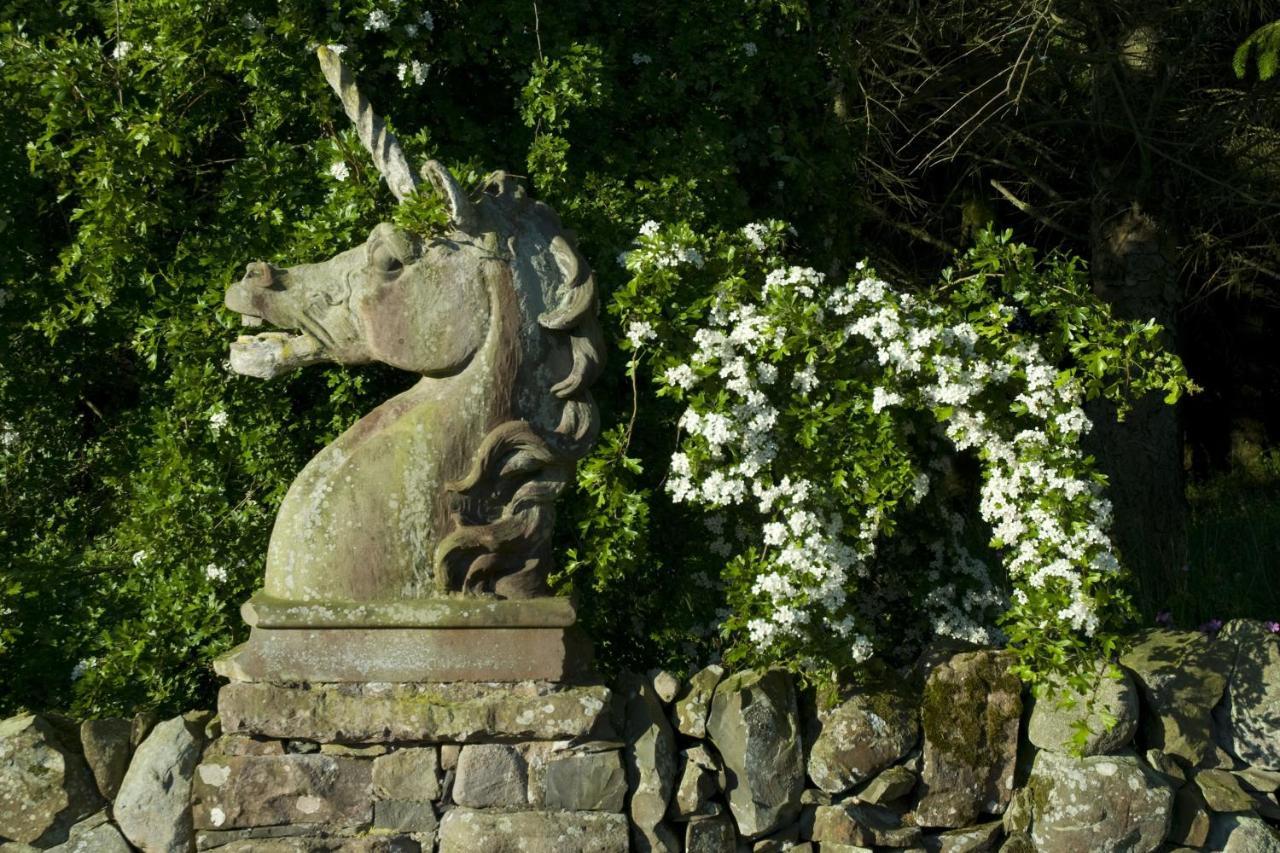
{"type": "Point", "coordinates": [264, 611]}
{"type": "Point", "coordinates": [246, 791]}
{"type": "Point", "coordinates": [482, 654]}
{"type": "Point", "coordinates": [428, 713]}
{"type": "Point", "coordinates": [469, 830]}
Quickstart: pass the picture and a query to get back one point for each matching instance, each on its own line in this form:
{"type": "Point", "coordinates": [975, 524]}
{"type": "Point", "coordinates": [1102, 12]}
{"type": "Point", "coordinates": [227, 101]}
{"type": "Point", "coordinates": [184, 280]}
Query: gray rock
{"type": "Point", "coordinates": [107, 749]}
{"type": "Point", "coordinates": [140, 726]}
{"type": "Point", "coordinates": [44, 787]}
{"type": "Point", "coordinates": [651, 765]}
{"type": "Point", "coordinates": [855, 736]}
{"type": "Point", "coordinates": [1250, 716]}
{"type": "Point", "coordinates": [1104, 803]}
{"type": "Point", "coordinates": [862, 824]}
{"type": "Point", "coordinates": [1056, 716]}
{"type": "Point", "coordinates": [93, 835]}
{"type": "Point", "coordinates": [1181, 675]}
{"type": "Point", "coordinates": [152, 808]}
{"type": "Point", "coordinates": [313, 844]}
{"type": "Point", "coordinates": [404, 816]}
{"type": "Point", "coordinates": [974, 839]}
{"type": "Point", "coordinates": [1191, 818]}
{"type": "Point", "coordinates": [971, 711]}
{"type": "Point", "coordinates": [589, 781]}
{"type": "Point", "coordinates": [665, 685]}
{"type": "Point", "coordinates": [696, 787]}
{"type": "Point", "coordinates": [1166, 764]}
{"type": "Point", "coordinates": [407, 774]}
{"type": "Point", "coordinates": [247, 791]}
{"type": "Point", "coordinates": [490, 775]}
{"type": "Point", "coordinates": [347, 750]}
{"type": "Point", "coordinates": [1222, 792]}
{"type": "Point", "coordinates": [694, 701]}
{"type": "Point", "coordinates": [469, 831]}
{"type": "Point", "coordinates": [1262, 781]}
{"type": "Point", "coordinates": [755, 727]}
{"type": "Point", "coordinates": [1239, 833]}
{"type": "Point", "coordinates": [889, 785]}
{"type": "Point", "coordinates": [449, 756]}
{"type": "Point", "coordinates": [710, 835]}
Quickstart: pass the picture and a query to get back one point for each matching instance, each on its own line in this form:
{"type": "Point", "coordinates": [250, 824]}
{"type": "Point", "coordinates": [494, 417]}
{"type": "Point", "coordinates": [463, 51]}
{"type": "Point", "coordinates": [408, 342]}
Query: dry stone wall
{"type": "Point", "coordinates": [1181, 752]}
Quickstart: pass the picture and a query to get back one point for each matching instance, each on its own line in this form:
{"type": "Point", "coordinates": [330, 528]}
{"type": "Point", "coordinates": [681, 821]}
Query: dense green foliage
{"type": "Point", "coordinates": [149, 150]}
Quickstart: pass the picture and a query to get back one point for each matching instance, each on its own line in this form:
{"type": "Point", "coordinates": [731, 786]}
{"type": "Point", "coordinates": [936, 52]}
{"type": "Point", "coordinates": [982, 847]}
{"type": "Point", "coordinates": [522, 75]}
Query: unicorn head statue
{"type": "Point", "coordinates": [448, 487]}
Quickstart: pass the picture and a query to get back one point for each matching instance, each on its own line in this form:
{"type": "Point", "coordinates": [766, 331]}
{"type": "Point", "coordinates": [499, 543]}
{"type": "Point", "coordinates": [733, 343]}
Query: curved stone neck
{"type": "Point", "coordinates": [362, 520]}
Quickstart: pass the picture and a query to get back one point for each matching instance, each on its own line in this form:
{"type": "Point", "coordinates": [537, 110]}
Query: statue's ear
{"type": "Point", "coordinates": [462, 212]}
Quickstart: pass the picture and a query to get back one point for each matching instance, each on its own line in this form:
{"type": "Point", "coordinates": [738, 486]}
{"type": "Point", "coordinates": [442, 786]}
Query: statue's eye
{"type": "Point", "coordinates": [385, 260]}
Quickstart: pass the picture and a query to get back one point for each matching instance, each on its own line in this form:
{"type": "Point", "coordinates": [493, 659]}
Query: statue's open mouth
{"type": "Point", "coordinates": [269, 354]}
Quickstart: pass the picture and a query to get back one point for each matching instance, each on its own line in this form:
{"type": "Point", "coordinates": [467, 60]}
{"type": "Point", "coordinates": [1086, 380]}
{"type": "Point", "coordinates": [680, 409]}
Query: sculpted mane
{"type": "Point", "coordinates": [502, 510]}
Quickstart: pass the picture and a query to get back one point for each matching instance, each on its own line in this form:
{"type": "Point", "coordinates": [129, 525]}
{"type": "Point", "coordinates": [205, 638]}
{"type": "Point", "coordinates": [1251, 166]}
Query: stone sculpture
{"type": "Point", "coordinates": [433, 513]}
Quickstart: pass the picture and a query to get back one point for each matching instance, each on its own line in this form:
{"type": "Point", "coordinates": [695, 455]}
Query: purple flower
{"type": "Point", "coordinates": [1165, 618]}
{"type": "Point", "coordinates": [1212, 627]}
{"type": "Point", "coordinates": [1272, 627]}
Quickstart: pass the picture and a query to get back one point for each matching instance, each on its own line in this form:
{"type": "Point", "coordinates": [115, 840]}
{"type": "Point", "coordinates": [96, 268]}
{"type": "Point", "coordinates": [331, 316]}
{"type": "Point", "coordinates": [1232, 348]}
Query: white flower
{"type": "Point", "coordinates": [649, 228]}
{"type": "Point", "coordinates": [415, 69]}
{"type": "Point", "coordinates": [641, 58]}
{"type": "Point", "coordinates": [377, 21]}
{"type": "Point", "coordinates": [427, 21]}
{"type": "Point", "coordinates": [680, 376]}
{"type": "Point", "coordinates": [805, 379]}
{"type": "Point", "coordinates": [882, 399]}
{"type": "Point", "coordinates": [411, 30]}
{"type": "Point", "coordinates": [218, 420]}
{"type": "Point", "coordinates": [215, 573]}
{"type": "Point", "coordinates": [339, 49]}
{"type": "Point", "coordinates": [339, 170]}
{"type": "Point", "coordinates": [749, 48]}
{"type": "Point", "coordinates": [139, 557]}
{"type": "Point", "coordinates": [78, 671]}
{"type": "Point", "coordinates": [755, 233]}
{"type": "Point", "coordinates": [121, 50]}
{"type": "Point", "coordinates": [640, 331]}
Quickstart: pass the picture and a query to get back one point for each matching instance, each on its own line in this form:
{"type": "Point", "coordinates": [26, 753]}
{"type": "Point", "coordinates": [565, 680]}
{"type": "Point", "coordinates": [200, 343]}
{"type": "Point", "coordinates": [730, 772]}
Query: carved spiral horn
{"type": "Point", "coordinates": [388, 156]}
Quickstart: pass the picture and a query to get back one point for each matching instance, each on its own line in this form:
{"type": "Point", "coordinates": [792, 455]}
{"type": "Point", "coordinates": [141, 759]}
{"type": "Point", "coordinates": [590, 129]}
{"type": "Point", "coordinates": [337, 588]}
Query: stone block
{"type": "Point", "coordinates": [464, 830]}
{"type": "Point", "coordinates": [44, 787]}
{"type": "Point", "coordinates": [971, 712]}
{"type": "Point", "coordinates": [754, 725]}
{"type": "Point", "coordinates": [262, 790]}
{"type": "Point", "coordinates": [696, 787]}
{"type": "Point", "coordinates": [710, 835]}
{"type": "Point", "coordinates": [407, 774]}
{"type": "Point", "coordinates": [862, 824]}
{"type": "Point", "coordinates": [1104, 803]}
{"type": "Point", "coordinates": [589, 781]}
{"type": "Point", "coordinates": [854, 736]}
{"type": "Point", "coordinates": [107, 750]}
{"type": "Point", "coordinates": [94, 834]}
{"type": "Point", "coordinates": [1250, 716]}
{"type": "Point", "coordinates": [153, 807]}
{"type": "Point", "coordinates": [693, 702]}
{"type": "Point", "coordinates": [425, 713]}
{"type": "Point", "coordinates": [1054, 716]}
{"type": "Point", "coordinates": [491, 776]}
{"type": "Point", "coordinates": [404, 816]}
{"type": "Point", "coordinates": [1182, 675]}
{"type": "Point", "coordinates": [651, 765]}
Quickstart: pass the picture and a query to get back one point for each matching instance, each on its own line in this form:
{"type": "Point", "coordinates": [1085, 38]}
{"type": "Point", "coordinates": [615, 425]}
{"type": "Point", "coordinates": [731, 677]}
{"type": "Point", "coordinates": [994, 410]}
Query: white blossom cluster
{"type": "Point", "coordinates": [1011, 407]}
{"type": "Point", "coordinates": [654, 252]}
{"type": "Point", "coordinates": [414, 70]}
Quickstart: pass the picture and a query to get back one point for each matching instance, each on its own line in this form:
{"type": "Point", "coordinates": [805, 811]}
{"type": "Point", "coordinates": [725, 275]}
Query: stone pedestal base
{"type": "Point", "coordinates": [527, 767]}
{"type": "Point", "coordinates": [433, 640]}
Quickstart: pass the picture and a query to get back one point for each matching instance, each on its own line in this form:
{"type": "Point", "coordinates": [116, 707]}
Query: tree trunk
{"type": "Point", "coordinates": [1133, 270]}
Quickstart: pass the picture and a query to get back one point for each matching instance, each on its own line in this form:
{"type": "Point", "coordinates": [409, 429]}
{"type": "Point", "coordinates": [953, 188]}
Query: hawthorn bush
{"type": "Point", "coordinates": [149, 150]}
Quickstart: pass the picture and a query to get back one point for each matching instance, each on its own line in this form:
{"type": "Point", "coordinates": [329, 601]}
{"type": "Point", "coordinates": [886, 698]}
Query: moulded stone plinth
{"type": "Point", "coordinates": [425, 640]}
{"type": "Point", "coordinates": [456, 712]}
